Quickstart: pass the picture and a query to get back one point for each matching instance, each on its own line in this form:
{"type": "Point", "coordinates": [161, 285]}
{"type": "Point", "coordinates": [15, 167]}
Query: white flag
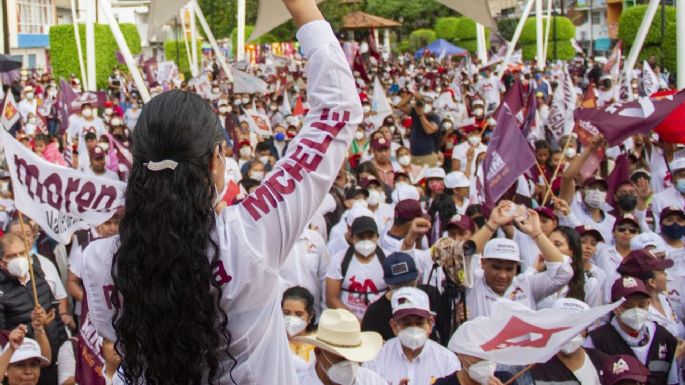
{"type": "Point", "coordinates": [286, 109]}
{"type": "Point", "coordinates": [560, 119]}
{"type": "Point", "coordinates": [10, 112]}
{"type": "Point", "coordinates": [517, 335]}
{"type": "Point", "coordinates": [258, 123]}
{"type": "Point", "coordinates": [60, 199]}
{"type": "Point", "coordinates": [244, 83]}
{"type": "Point", "coordinates": [650, 83]}
{"type": "Point", "coordinates": [379, 104]}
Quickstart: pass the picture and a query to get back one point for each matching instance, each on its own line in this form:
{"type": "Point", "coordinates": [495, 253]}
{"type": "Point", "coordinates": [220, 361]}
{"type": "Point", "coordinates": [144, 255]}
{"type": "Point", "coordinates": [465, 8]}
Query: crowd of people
{"type": "Point", "coordinates": [363, 297]}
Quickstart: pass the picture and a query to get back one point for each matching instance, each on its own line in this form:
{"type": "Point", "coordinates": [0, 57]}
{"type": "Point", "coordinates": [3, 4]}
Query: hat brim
{"type": "Point", "coordinates": [624, 220]}
{"type": "Point", "coordinates": [402, 278]}
{"type": "Point", "coordinates": [371, 344]}
{"type": "Point", "coordinates": [596, 234]}
{"type": "Point", "coordinates": [663, 264]}
{"type": "Point", "coordinates": [43, 361]}
{"type": "Point", "coordinates": [642, 378]}
{"type": "Point", "coordinates": [416, 312]}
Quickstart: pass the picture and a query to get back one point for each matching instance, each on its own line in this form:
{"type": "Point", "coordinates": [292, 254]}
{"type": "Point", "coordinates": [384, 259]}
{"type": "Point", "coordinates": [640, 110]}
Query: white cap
{"type": "Point", "coordinates": [647, 239]}
{"type": "Point", "coordinates": [502, 248]}
{"type": "Point", "coordinates": [404, 191]}
{"type": "Point", "coordinates": [357, 212]}
{"type": "Point", "coordinates": [435, 172]}
{"type": "Point", "coordinates": [27, 350]}
{"type": "Point", "coordinates": [570, 305]}
{"type": "Point", "coordinates": [456, 179]}
{"type": "Point", "coordinates": [677, 164]}
{"type": "Point", "coordinates": [410, 301]}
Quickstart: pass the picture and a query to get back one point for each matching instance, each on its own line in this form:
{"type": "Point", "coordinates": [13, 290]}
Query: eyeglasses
{"type": "Point", "coordinates": [630, 229]}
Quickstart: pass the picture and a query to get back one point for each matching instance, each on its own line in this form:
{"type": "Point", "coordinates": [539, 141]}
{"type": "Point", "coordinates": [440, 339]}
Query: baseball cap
{"type": "Point", "coordinates": [410, 301]}
{"type": "Point", "coordinates": [677, 164]}
{"type": "Point", "coordinates": [470, 128]}
{"type": "Point", "coordinates": [404, 191]}
{"type": "Point", "coordinates": [623, 367]}
{"type": "Point", "coordinates": [592, 181]}
{"type": "Point", "coordinates": [640, 173]}
{"type": "Point", "coordinates": [670, 210]}
{"type": "Point", "coordinates": [644, 240]}
{"type": "Point", "coordinates": [434, 172]}
{"type": "Point", "coordinates": [587, 229]}
{"type": "Point", "coordinates": [28, 349]}
{"type": "Point", "coordinates": [399, 268]}
{"type": "Point", "coordinates": [625, 286]}
{"type": "Point", "coordinates": [365, 182]}
{"type": "Point", "coordinates": [380, 144]}
{"type": "Point", "coordinates": [408, 210]}
{"type": "Point", "coordinates": [357, 212]}
{"type": "Point", "coordinates": [351, 192]}
{"type": "Point", "coordinates": [570, 305]}
{"type": "Point", "coordinates": [464, 222]}
{"type": "Point", "coordinates": [477, 103]}
{"type": "Point", "coordinates": [502, 248]}
{"type": "Point", "coordinates": [456, 179]}
{"type": "Point", "coordinates": [626, 218]}
{"type": "Point", "coordinates": [548, 212]}
{"type": "Point", "coordinates": [96, 152]}
{"type": "Point", "coordinates": [640, 262]}
{"type": "Point", "coordinates": [364, 224]}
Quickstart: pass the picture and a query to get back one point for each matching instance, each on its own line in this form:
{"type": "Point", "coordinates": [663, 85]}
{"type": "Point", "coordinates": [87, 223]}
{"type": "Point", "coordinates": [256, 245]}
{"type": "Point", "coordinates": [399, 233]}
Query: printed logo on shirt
{"type": "Point", "coordinates": [517, 294]}
{"type": "Point", "coordinates": [662, 351]}
{"type": "Point", "coordinates": [312, 248]}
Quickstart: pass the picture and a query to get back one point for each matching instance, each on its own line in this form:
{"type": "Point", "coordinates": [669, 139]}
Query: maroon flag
{"type": "Point", "coordinates": [515, 99]}
{"type": "Point", "coordinates": [620, 173]}
{"type": "Point", "coordinates": [508, 156]}
{"type": "Point", "coordinates": [618, 121]}
{"type": "Point", "coordinates": [89, 359]}
{"type": "Point", "coordinates": [120, 57]}
{"type": "Point", "coordinates": [67, 97]}
{"type": "Point", "coordinates": [358, 65]}
{"type": "Point", "coordinates": [373, 46]}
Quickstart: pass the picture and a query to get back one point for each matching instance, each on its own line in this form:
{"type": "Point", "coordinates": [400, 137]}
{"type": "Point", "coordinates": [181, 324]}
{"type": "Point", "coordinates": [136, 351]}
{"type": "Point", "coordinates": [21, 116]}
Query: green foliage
{"type": "Point", "coordinates": [466, 35]}
{"type": "Point", "coordinates": [416, 14]}
{"type": "Point", "coordinates": [447, 28]}
{"type": "Point", "coordinates": [170, 53]}
{"type": "Point", "coordinates": [421, 38]}
{"type": "Point", "coordinates": [221, 15]}
{"type": "Point", "coordinates": [565, 30]}
{"type": "Point", "coordinates": [64, 57]}
{"type": "Point", "coordinates": [506, 27]}
{"type": "Point", "coordinates": [630, 22]}
{"type": "Point", "coordinates": [670, 41]}
{"type": "Point", "coordinates": [565, 50]}
{"type": "Point", "coordinates": [403, 46]}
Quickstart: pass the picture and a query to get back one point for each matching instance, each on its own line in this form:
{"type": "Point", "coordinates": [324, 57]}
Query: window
{"type": "Point", "coordinates": [596, 17]}
{"type": "Point", "coordinates": [34, 16]}
{"type": "Point", "coordinates": [32, 60]}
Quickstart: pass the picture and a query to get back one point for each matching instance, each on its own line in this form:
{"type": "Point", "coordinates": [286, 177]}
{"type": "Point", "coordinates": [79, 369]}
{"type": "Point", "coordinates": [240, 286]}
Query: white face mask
{"type": "Point", "coordinates": [360, 203]}
{"type": "Point", "coordinates": [574, 344]}
{"type": "Point", "coordinates": [223, 110]}
{"type": "Point", "coordinates": [264, 159]}
{"type": "Point", "coordinates": [481, 371]}
{"type": "Point", "coordinates": [635, 318]}
{"type": "Point", "coordinates": [32, 121]}
{"type": "Point", "coordinates": [87, 112]}
{"type": "Point", "coordinates": [375, 198]}
{"type": "Point", "coordinates": [273, 107]}
{"type": "Point", "coordinates": [29, 95]}
{"type": "Point", "coordinates": [245, 100]}
{"type": "Point", "coordinates": [413, 337]}
{"type": "Point", "coordinates": [570, 152]}
{"type": "Point", "coordinates": [236, 102]}
{"type": "Point", "coordinates": [359, 135]}
{"type": "Point", "coordinates": [343, 373]}
{"type": "Point", "coordinates": [257, 175]}
{"type": "Point", "coordinates": [108, 111]}
{"type": "Point", "coordinates": [404, 160]}
{"type": "Point", "coordinates": [478, 112]}
{"type": "Point", "coordinates": [245, 152]}
{"type": "Point", "coordinates": [366, 108]}
{"type": "Point", "coordinates": [115, 122]}
{"type": "Point", "coordinates": [474, 140]}
{"type": "Point", "coordinates": [428, 109]}
{"type": "Point", "coordinates": [365, 247]}
{"type": "Point", "coordinates": [448, 125]}
{"type": "Point", "coordinates": [294, 325]}
{"type": "Point", "coordinates": [595, 198]}
{"type": "Point", "coordinates": [18, 267]}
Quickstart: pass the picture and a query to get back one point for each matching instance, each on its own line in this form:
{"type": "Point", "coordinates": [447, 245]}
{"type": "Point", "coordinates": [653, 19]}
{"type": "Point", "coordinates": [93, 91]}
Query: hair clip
{"type": "Point", "coordinates": [161, 165]}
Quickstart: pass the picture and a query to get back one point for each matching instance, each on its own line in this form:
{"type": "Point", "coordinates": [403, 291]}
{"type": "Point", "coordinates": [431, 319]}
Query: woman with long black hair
{"type": "Point", "coordinates": [189, 295]}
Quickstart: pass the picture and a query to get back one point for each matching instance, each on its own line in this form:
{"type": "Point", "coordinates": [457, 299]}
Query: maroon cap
{"type": "Point", "coordinates": [380, 144]}
{"type": "Point", "coordinates": [365, 182]}
{"type": "Point", "coordinates": [96, 152]}
{"type": "Point", "coordinates": [595, 181]}
{"type": "Point", "coordinates": [463, 222]}
{"type": "Point", "coordinates": [626, 218]}
{"type": "Point", "coordinates": [587, 229]}
{"type": "Point", "coordinates": [671, 210]}
{"type": "Point", "coordinates": [548, 212]}
{"type": "Point", "coordinates": [625, 286]}
{"type": "Point", "coordinates": [623, 367]}
{"type": "Point", "coordinates": [408, 210]}
{"type": "Point", "coordinates": [640, 262]}
{"type": "Point", "coordinates": [469, 128]}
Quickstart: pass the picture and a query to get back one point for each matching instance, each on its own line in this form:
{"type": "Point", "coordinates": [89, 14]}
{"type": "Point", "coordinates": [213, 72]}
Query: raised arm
{"type": "Point", "coordinates": [568, 183]}
{"type": "Point", "coordinates": [274, 215]}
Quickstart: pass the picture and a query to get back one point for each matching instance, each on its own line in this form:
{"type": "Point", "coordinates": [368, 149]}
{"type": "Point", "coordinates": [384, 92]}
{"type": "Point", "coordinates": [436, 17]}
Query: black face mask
{"type": "Point", "coordinates": [479, 221]}
{"type": "Point", "coordinates": [674, 231]}
{"type": "Point", "coordinates": [627, 202]}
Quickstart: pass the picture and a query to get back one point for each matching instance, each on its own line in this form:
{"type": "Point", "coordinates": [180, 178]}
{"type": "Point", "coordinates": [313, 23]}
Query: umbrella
{"type": "Point", "coordinates": [10, 77]}
{"type": "Point", "coordinates": [9, 63]}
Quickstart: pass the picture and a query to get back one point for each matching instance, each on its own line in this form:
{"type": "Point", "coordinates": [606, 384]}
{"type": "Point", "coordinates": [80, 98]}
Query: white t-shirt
{"type": "Point", "coordinates": [79, 127]}
{"type": "Point", "coordinates": [364, 377]}
{"type": "Point", "coordinates": [52, 277]}
{"type": "Point", "coordinates": [255, 237]}
{"type": "Point", "coordinates": [109, 174]}
{"type": "Point", "coordinates": [605, 227]}
{"type": "Point", "coordinates": [459, 153]}
{"type": "Point", "coordinates": [434, 361]}
{"type": "Point", "coordinates": [131, 117]}
{"type": "Point", "coordinates": [587, 374]}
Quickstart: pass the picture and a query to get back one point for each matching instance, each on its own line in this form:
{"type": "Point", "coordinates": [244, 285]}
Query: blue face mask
{"type": "Point", "coordinates": [674, 231]}
{"type": "Point", "coordinates": [279, 136]}
{"type": "Point", "coordinates": [680, 185]}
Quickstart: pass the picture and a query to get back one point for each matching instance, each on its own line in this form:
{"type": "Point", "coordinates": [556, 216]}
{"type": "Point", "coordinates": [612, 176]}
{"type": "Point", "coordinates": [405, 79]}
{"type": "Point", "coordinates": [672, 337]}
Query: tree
{"type": "Point", "coordinates": [447, 28]}
{"type": "Point", "coordinates": [221, 15]}
{"type": "Point", "coordinates": [466, 35]}
{"type": "Point", "coordinates": [655, 44]}
{"type": "Point", "coordinates": [420, 38]}
{"type": "Point", "coordinates": [506, 28]}
{"type": "Point", "coordinates": [565, 31]}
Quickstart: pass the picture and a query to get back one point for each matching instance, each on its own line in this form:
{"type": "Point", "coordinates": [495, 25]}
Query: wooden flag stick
{"type": "Point", "coordinates": [556, 170]}
{"type": "Point", "coordinates": [28, 256]}
{"type": "Point", "coordinates": [519, 374]}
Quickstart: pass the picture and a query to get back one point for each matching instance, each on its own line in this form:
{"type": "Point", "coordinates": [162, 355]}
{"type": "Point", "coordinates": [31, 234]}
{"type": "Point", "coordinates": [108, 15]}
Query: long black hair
{"type": "Point", "coordinates": [170, 327]}
{"type": "Point", "coordinates": [576, 287]}
{"type": "Point", "coordinates": [300, 293]}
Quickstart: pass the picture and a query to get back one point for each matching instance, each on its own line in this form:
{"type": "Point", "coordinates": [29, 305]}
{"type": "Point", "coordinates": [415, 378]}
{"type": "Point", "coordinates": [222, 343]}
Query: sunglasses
{"type": "Point", "coordinates": [630, 229]}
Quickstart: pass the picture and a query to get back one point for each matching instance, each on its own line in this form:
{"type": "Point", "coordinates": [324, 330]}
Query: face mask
{"type": "Point", "coordinates": [236, 102]}
{"type": "Point", "coordinates": [245, 152]}
{"type": "Point", "coordinates": [134, 106]}
{"type": "Point", "coordinates": [294, 325]}
{"type": "Point", "coordinates": [448, 125]}
{"type": "Point", "coordinates": [359, 135]}
{"type": "Point", "coordinates": [481, 371]}
{"type": "Point", "coordinates": [366, 108]}
{"type": "Point", "coordinates": [627, 202]}
{"type": "Point", "coordinates": [264, 159]}
{"type": "Point", "coordinates": [674, 231]}
{"type": "Point", "coordinates": [223, 110]}
{"type": "Point", "coordinates": [343, 373]}
{"type": "Point", "coordinates": [245, 100]}
{"type": "Point", "coordinates": [574, 344]}
{"type": "Point", "coordinates": [52, 92]}
{"type": "Point", "coordinates": [257, 175]}
{"type": "Point", "coordinates": [279, 136]}
{"type": "Point", "coordinates": [86, 112]}
{"type": "Point", "coordinates": [4, 187]}
{"type": "Point", "coordinates": [474, 140]}
{"type": "Point", "coordinates": [428, 109]}
{"type": "Point", "coordinates": [436, 186]}
{"type": "Point", "coordinates": [115, 122]}
{"type": "Point", "coordinates": [375, 197]}
{"type": "Point", "coordinates": [29, 95]}
{"type": "Point", "coordinates": [680, 185]}
{"type": "Point", "coordinates": [215, 90]}
{"type": "Point", "coordinates": [595, 198]}
{"type": "Point", "coordinates": [18, 267]}
{"type": "Point", "coordinates": [32, 121]}
{"type": "Point", "coordinates": [273, 107]}
{"type": "Point", "coordinates": [413, 337]}
{"type": "Point", "coordinates": [570, 152]}
{"type": "Point", "coordinates": [635, 318]}
{"type": "Point", "coordinates": [404, 160]}
{"type": "Point", "coordinates": [478, 112]}
{"type": "Point", "coordinates": [108, 111]}
{"type": "Point", "coordinates": [365, 247]}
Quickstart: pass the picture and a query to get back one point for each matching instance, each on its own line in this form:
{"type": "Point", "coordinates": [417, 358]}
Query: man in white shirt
{"type": "Point", "coordinates": [306, 266]}
{"type": "Point", "coordinates": [411, 356]}
{"type": "Point", "coordinates": [87, 121]}
{"type": "Point", "coordinates": [97, 164]}
{"type": "Point", "coordinates": [674, 195]}
{"type": "Point", "coordinates": [340, 346]}
{"type": "Point", "coordinates": [468, 150]}
{"type": "Point", "coordinates": [29, 104]}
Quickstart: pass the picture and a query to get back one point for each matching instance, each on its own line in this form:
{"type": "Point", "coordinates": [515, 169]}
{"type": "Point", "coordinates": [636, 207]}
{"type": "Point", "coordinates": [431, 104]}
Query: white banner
{"type": "Point", "coordinates": [517, 335]}
{"type": "Point", "coordinates": [258, 123]}
{"type": "Point", "coordinates": [650, 82]}
{"type": "Point", "coordinates": [379, 104]}
{"type": "Point", "coordinates": [244, 83]}
{"type": "Point", "coordinates": [61, 200]}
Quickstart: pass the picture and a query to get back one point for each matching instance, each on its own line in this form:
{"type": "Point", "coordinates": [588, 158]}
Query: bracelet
{"type": "Point", "coordinates": [492, 229]}
{"type": "Point", "coordinates": [65, 313]}
{"type": "Point", "coordinates": [537, 235]}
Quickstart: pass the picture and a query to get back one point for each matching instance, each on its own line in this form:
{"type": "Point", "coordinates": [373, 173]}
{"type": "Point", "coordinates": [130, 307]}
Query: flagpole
{"type": "Point", "coordinates": [28, 257]}
{"type": "Point", "coordinates": [517, 33]}
{"type": "Point", "coordinates": [77, 37]}
{"type": "Point", "coordinates": [240, 44]}
{"type": "Point", "coordinates": [680, 44]}
{"type": "Point", "coordinates": [90, 83]}
{"type": "Point", "coordinates": [193, 43]}
{"type": "Point", "coordinates": [629, 64]}
{"type": "Point", "coordinates": [556, 170]}
{"type": "Point", "coordinates": [212, 40]}
{"type": "Point", "coordinates": [519, 374]}
{"type": "Point", "coordinates": [547, 28]}
{"type": "Point", "coordinates": [538, 35]}
{"type": "Point", "coordinates": [184, 13]}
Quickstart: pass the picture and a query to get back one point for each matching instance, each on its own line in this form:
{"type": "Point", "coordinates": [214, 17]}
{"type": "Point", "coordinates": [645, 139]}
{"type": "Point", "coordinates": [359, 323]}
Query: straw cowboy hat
{"type": "Point", "coordinates": [339, 332]}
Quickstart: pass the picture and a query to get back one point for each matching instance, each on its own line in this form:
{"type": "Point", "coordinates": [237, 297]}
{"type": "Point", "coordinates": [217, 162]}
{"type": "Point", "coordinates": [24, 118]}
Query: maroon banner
{"type": "Point", "coordinates": [619, 121]}
{"type": "Point", "coordinates": [358, 65]}
{"type": "Point", "coordinates": [89, 359]}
